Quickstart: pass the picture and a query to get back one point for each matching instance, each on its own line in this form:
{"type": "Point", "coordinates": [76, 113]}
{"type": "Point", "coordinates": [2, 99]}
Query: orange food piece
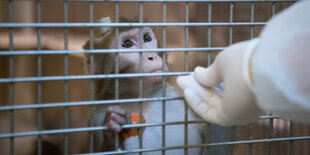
{"type": "Point", "coordinates": [133, 131]}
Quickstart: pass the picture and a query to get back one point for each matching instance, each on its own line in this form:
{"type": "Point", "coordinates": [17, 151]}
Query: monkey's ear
{"type": "Point", "coordinates": [96, 42]}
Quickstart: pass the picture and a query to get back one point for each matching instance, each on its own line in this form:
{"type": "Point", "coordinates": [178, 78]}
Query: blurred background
{"type": "Point", "coordinates": [51, 38]}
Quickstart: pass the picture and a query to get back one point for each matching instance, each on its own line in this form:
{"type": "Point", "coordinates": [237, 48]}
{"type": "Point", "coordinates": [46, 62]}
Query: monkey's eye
{"type": "Point", "coordinates": [127, 43]}
{"type": "Point", "coordinates": [147, 37]}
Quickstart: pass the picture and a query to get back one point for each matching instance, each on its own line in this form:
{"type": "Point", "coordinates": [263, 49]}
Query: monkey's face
{"type": "Point", "coordinates": [129, 62]}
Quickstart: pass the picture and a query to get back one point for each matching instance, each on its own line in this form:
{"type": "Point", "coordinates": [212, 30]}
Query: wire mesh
{"type": "Point", "coordinates": [187, 20]}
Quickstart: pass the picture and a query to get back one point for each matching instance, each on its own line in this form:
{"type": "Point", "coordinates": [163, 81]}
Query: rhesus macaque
{"type": "Point", "coordinates": [115, 116]}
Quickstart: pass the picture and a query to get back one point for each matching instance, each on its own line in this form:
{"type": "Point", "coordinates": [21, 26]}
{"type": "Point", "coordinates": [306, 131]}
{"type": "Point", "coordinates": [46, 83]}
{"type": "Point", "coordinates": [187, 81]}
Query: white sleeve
{"type": "Point", "coordinates": [281, 64]}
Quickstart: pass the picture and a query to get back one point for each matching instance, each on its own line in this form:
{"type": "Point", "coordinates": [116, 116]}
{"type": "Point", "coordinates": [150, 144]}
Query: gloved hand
{"type": "Point", "coordinates": [236, 104]}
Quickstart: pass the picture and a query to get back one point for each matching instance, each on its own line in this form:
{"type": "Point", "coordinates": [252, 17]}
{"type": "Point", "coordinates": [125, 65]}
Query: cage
{"type": "Point", "coordinates": [48, 98]}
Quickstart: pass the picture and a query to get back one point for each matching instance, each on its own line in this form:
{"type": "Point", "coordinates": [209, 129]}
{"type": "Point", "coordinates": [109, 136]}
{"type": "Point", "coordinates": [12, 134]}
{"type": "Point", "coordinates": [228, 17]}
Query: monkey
{"type": "Point", "coordinates": [115, 116]}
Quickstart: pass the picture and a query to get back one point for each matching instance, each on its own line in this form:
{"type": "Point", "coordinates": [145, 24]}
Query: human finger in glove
{"type": "Point", "coordinates": [236, 105]}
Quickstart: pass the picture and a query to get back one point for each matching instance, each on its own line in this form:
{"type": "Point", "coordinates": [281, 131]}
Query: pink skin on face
{"type": "Point", "coordinates": [152, 62]}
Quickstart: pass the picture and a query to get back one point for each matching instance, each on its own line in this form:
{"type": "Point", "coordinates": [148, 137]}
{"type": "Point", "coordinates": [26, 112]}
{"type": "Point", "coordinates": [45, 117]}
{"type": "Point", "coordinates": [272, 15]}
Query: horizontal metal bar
{"type": "Point", "coordinates": [86, 129]}
{"type": "Point", "coordinates": [22, 25]}
{"type": "Point", "coordinates": [85, 77]}
{"type": "Point", "coordinates": [163, 0]}
{"type": "Point", "coordinates": [203, 145]}
{"type": "Point", "coordinates": [98, 51]}
{"type": "Point", "coordinates": [268, 117]}
{"type": "Point", "coordinates": [72, 130]}
{"type": "Point", "coordinates": [85, 103]}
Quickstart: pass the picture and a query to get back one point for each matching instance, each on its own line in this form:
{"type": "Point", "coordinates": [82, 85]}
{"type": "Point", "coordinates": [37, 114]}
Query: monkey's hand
{"type": "Point", "coordinates": [115, 118]}
{"type": "Point", "coordinates": [236, 105]}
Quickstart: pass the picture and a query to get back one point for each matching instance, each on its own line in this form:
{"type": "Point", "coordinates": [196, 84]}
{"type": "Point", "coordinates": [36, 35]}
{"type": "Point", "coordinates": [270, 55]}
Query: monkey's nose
{"type": "Point", "coordinates": [151, 58]}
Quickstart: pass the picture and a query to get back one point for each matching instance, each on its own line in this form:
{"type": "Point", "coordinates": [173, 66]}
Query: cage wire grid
{"type": "Point", "coordinates": [91, 25]}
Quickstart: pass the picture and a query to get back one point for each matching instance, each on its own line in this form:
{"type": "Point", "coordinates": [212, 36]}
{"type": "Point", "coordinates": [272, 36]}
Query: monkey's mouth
{"type": "Point", "coordinates": [157, 71]}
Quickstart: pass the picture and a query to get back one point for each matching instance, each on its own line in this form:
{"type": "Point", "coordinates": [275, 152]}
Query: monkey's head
{"type": "Point", "coordinates": [128, 38]}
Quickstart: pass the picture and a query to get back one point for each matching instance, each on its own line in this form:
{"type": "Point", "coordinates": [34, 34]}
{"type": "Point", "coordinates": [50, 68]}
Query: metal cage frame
{"type": "Point", "coordinates": [11, 107]}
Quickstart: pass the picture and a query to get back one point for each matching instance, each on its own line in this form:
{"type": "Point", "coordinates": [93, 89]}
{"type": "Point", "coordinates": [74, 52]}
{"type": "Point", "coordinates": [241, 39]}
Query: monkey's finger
{"type": "Point", "coordinates": [115, 127]}
{"type": "Point", "coordinates": [206, 109]}
{"type": "Point", "coordinates": [116, 109]}
{"type": "Point", "coordinates": [208, 77]}
{"type": "Point", "coordinates": [119, 119]}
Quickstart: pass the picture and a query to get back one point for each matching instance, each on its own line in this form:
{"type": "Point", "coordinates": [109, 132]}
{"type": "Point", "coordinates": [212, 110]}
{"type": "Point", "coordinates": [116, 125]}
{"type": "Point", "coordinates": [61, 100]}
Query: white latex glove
{"type": "Point", "coordinates": [237, 104]}
{"type": "Point", "coordinates": [281, 64]}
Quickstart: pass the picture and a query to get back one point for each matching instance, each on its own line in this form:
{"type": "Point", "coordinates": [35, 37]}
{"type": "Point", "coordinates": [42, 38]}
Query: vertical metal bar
{"type": "Point", "coordinates": [250, 138]}
{"type": "Point", "coordinates": [271, 135]}
{"type": "Point", "coordinates": [92, 84]}
{"type": "Point", "coordinates": [186, 35]}
{"type": "Point", "coordinates": [117, 67]}
{"type": "Point", "coordinates": [252, 19]}
{"type": "Point", "coordinates": [163, 144]}
{"type": "Point", "coordinates": [209, 31]}
{"type": "Point", "coordinates": [251, 125]}
{"type": "Point", "coordinates": [273, 8]}
{"type": "Point", "coordinates": [39, 68]}
{"type": "Point", "coordinates": [11, 76]}
{"type": "Point", "coordinates": [116, 54]}
{"type": "Point", "coordinates": [231, 20]}
{"type": "Point", "coordinates": [208, 128]}
{"type": "Point", "coordinates": [231, 8]}
{"type": "Point", "coordinates": [140, 79]}
{"type": "Point", "coordinates": [271, 119]}
{"type": "Point", "coordinates": [291, 135]}
{"type": "Point", "coordinates": [186, 69]}
{"type": "Point", "coordinates": [66, 63]}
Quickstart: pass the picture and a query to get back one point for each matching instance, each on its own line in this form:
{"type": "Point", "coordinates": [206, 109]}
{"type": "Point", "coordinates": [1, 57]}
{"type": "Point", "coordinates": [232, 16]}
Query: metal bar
{"type": "Point", "coordinates": [252, 35]}
{"type": "Point", "coordinates": [11, 61]}
{"type": "Point", "coordinates": [92, 84]}
{"type": "Point", "coordinates": [252, 19]}
{"type": "Point", "coordinates": [213, 1]}
{"type": "Point", "coordinates": [186, 70]}
{"type": "Point", "coordinates": [273, 8]}
{"type": "Point", "coordinates": [156, 149]}
{"type": "Point", "coordinates": [208, 125]}
{"type": "Point", "coordinates": [72, 130]}
{"type": "Point", "coordinates": [209, 32]}
{"type": "Point", "coordinates": [291, 135]}
{"type": "Point", "coordinates": [23, 25]}
{"type": "Point", "coordinates": [83, 77]}
{"type": "Point", "coordinates": [140, 79]}
{"type": "Point", "coordinates": [163, 143]}
{"type": "Point", "coordinates": [231, 20]}
{"type": "Point", "coordinates": [98, 51]}
{"type": "Point", "coordinates": [66, 86]}
{"type": "Point", "coordinates": [271, 134]}
{"type": "Point", "coordinates": [95, 128]}
{"type": "Point", "coordinates": [117, 47]}
{"type": "Point", "coordinates": [116, 82]}
{"type": "Point", "coordinates": [84, 103]}
{"type": "Point", "coordinates": [39, 74]}
{"type": "Point", "coordinates": [231, 10]}
{"type": "Point", "coordinates": [250, 138]}
{"type": "Point", "coordinates": [197, 146]}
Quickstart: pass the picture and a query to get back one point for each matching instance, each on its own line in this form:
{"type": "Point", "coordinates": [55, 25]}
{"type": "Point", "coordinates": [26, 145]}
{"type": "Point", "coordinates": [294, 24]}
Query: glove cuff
{"type": "Point", "coordinates": [247, 63]}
